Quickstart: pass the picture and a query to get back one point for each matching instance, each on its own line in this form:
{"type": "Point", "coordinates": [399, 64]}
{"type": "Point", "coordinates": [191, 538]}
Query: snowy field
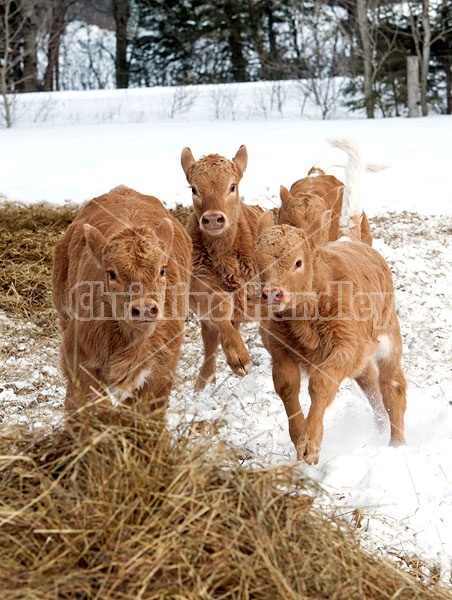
{"type": "Point", "coordinates": [74, 146]}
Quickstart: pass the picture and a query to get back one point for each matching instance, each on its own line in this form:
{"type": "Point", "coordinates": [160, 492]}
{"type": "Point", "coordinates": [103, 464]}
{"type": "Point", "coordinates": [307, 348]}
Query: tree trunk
{"type": "Point", "coordinates": [448, 69]}
{"type": "Point", "coordinates": [235, 41]}
{"type": "Point", "coordinates": [363, 26]}
{"type": "Point", "coordinates": [30, 59]}
{"type": "Point", "coordinates": [412, 63]}
{"type": "Point", "coordinates": [426, 42]}
{"type": "Point", "coordinates": [57, 26]}
{"type": "Point", "coordinates": [121, 14]}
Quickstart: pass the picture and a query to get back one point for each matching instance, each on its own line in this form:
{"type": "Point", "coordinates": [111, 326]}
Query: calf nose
{"type": "Point", "coordinates": [213, 220]}
{"type": "Point", "coordinates": [144, 310]}
{"type": "Point", "coordinates": [272, 295]}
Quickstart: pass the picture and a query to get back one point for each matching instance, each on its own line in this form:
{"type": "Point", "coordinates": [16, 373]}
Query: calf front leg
{"type": "Point", "coordinates": [287, 379]}
{"type": "Point", "coordinates": [217, 308]}
{"type": "Point", "coordinates": [211, 338]}
{"type": "Point", "coordinates": [323, 386]}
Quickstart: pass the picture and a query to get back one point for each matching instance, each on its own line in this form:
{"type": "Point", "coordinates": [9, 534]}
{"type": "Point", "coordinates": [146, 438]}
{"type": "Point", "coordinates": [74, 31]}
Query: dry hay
{"type": "Point", "coordinates": [27, 237]}
{"type": "Point", "coordinates": [120, 509]}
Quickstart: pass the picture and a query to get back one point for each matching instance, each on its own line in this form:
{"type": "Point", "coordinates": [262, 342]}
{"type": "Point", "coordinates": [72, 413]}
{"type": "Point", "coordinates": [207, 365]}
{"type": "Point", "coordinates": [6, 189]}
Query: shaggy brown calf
{"type": "Point", "coordinates": [120, 284]}
{"type": "Point", "coordinates": [309, 197]}
{"type": "Point", "coordinates": [334, 317]}
{"type": "Point", "coordinates": [223, 230]}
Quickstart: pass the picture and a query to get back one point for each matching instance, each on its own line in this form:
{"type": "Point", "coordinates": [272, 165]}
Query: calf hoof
{"type": "Point", "coordinates": [308, 451]}
{"type": "Point", "coordinates": [399, 441]}
{"type": "Point", "coordinates": [242, 370]}
{"type": "Point", "coordinates": [202, 382]}
{"type": "Point", "coordinates": [238, 358]}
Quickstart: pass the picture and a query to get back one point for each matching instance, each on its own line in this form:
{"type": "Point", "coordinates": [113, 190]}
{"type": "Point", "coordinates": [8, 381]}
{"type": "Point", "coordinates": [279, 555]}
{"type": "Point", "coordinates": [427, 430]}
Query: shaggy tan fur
{"type": "Point", "coordinates": [309, 197]}
{"type": "Point", "coordinates": [120, 284]}
{"type": "Point", "coordinates": [223, 230]}
{"type": "Point", "coordinates": [333, 317]}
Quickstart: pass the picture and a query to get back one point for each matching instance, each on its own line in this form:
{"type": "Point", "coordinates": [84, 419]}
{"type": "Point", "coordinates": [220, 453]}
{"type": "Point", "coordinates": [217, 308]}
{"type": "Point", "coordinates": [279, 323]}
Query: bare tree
{"type": "Point", "coordinates": [59, 14]}
{"type": "Point", "coordinates": [366, 45]}
{"type": "Point", "coordinates": [18, 52]}
{"type": "Point", "coordinates": [420, 15]}
{"type": "Point", "coordinates": [377, 44]}
{"type": "Point", "coordinates": [122, 14]}
{"type": "Point", "coordinates": [325, 57]}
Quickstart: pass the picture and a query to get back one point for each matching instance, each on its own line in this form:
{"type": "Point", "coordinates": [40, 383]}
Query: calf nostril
{"type": "Point", "coordinates": [279, 295]}
{"type": "Point", "coordinates": [265, 295]}
{"type": "Point", "coordinates": [220, 219]}
{"type": "Point", "coordinates": [205, 221]}
{"type": "Point", "coordinates": [153, 310]}
{"type": "Point", "coordinates": [135, 312]}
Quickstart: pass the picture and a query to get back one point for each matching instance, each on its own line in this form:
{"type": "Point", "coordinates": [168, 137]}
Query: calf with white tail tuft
{"type": "Point", "coordinates": [332, 315]}
{"type": "Point", "coordinates": [310, 196]}
{"type": "Point", "coordinates": [352, 212]}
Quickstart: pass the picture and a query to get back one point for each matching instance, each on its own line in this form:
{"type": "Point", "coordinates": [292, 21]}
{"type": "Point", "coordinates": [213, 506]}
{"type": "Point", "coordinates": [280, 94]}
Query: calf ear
{"type": "Point", "coordinates": [187, 159]}
{"type": "Point", "coordinates": [165, 233]}
{"type": "Point", "coordinates": [318, 233]}
{"type": "Point", "coordinates": [265, 222]}
{"type": "Point", "coordinates": [95, 241]}
{"type": "Point", "coordinates": [284, 194]}
{"type": "Point", "coordinates": [241, 158]}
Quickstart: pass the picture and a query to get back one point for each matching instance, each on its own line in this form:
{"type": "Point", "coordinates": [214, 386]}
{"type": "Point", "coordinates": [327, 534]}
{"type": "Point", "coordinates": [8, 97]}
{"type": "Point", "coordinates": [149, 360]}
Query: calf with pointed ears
{"type": "Point", "coordinates": [223, 230]}
{"type": "Point", "coordinates": [120, 280]}
{"type": "Point", "coordinates": [310, 196]}
{"type": "Point", "coordinates": [333, 317]}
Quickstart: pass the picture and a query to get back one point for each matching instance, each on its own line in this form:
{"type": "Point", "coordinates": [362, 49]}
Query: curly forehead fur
{"type": "Point", "coordinates": [214, 163]}
{"type": "Point", "coordinates": [139, 247]}
{"type": "Point", "coordinates": [279, 241]}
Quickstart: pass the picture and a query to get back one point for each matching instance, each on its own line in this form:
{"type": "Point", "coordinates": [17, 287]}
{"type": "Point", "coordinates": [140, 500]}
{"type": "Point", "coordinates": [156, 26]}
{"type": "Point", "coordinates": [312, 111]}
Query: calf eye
{"type": "Point", "coordinates": [162, 272]}
{"type": "Point", "coordinates": [194, 191]}
{"type": "Point", "coordinates": [298, 263]}
{"type": "Point", "coordinates": [112, 275]}
{"type": "Point", "coordinates": [233, 187]}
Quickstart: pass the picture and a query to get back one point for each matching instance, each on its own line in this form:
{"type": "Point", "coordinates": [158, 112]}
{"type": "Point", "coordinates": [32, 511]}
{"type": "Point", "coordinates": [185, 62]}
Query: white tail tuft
{"type": "Point", "coordinates": [375, 167]}
{"type": "Point", "coordinates": [355, 168]}
{"type": "Point", "coordinates": [354, 179]}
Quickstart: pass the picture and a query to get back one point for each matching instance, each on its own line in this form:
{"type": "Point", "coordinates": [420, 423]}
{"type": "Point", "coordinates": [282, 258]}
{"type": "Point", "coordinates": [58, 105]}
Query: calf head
{"type": "Point", "coordinates": [285, 260]}
{"type": "Point", "coordinates": [134, 263]}
{"type": "Point", "coordinates": [214, 182]}
{"type": "Point", "coordinates": [300, 211]}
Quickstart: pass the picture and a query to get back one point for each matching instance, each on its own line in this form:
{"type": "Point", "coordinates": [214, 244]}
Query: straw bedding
{"type": "Point", "coordinates": [117, 507]}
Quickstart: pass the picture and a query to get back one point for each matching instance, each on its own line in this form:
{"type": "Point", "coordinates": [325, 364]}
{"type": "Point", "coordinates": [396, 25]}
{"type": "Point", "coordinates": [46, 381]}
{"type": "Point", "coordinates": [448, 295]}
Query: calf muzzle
{"type": "Point", "coordinates": [272, 295]}
{"type": "Point", "coordinates": [144, 310]}
{"type": "Point", "coordinates": [213, 221]}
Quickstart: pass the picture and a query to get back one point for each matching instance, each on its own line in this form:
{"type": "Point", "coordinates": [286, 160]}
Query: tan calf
{"type": "Point", "coordinates": [309, 197]}
{"type": "Point", "coordinates": [333, 317]}
{"type": "Point", "coordinates": [223, 230]}
{"type": "Point", "coordinates": [120, 285]}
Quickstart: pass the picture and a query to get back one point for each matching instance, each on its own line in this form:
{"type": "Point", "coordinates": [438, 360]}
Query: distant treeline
{"type": "Point", "coordinates": [178, 42]}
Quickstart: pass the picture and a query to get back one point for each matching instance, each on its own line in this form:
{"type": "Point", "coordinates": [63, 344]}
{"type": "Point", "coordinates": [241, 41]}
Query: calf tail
{"type": "Point", "coordinates": [354, 178]}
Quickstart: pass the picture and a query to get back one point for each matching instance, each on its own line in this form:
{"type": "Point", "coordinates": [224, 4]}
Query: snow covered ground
{"type": "Point", "coordinates": [90, 142]}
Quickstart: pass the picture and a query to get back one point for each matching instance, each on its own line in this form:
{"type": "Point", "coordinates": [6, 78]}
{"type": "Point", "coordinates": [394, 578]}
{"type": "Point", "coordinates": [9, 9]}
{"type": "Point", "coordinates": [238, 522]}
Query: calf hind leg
{"type": "Point", "coordinates": [368, 382]}
{"type": "Point", "coordinates": [393, 388]}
